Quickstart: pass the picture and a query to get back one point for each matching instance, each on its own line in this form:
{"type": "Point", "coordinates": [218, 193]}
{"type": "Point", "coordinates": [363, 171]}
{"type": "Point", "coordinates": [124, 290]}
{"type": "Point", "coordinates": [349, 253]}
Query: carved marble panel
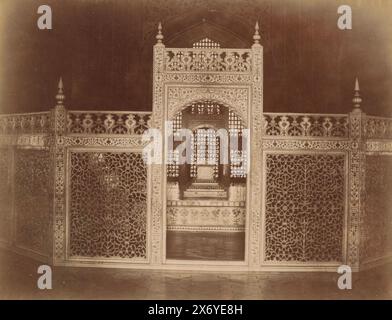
{"type": "Point", "coordinates": [107, 205]}
{"type": "Point", "coordinates": [232, 97]}
{"type": "Point", "coordinates": [205, 218]}
{"type": "Point", "coordinates": [33, 199]}
{"type": "Point", "coordinates": [304, 207]}
{"type": "Point", "coordinates": [5, 194]}
{"type": "Point", "coordinates": [208, 60]}
{"type": "Point", "coordinates": [33, 123]}
{"type": "Point", "coordinates": [377, 128]}
{"type": "Point", "coordinates": [306, 125]}
{"type": "Point", "coordinates": [376, 231]}
{"type": "Point", "coordinates": [100, 123]}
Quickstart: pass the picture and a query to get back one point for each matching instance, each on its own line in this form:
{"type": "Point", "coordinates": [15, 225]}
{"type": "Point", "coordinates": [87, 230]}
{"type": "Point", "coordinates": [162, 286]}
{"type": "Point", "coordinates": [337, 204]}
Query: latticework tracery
{"type": "Point", "coordinates": [99, 123]}
{"type": "Point", "coordinates": [33, 204]}
{"type": "Point", "coordinates": [5, 194]}
{"type": "Point", "coordinates": [304, 215]}
{"type": "Point", "coordinates": [108, 205]}
{"type": "Point", "coordinates": [377, 220]}
{"type": "Point", "coordinates": [205, 145]}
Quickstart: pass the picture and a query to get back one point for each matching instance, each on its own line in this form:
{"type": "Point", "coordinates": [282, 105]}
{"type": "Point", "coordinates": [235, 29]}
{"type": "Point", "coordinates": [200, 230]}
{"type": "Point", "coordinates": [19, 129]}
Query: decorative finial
{"type": "Point", "coordinates": [159, 36]}
{"type": "Point", "coordinates": [356, 85]}
{"type": "Point", "coordinates": [60, 94]}
{"type": "Point", "coordinates": [357, 97]}
{"type": "Point", "coordinates": [256, 36]}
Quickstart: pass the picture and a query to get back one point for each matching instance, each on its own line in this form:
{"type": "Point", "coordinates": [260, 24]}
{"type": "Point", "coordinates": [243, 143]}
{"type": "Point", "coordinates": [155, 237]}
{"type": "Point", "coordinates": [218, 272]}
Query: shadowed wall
{"type": "Point", "coordinates": [103, 50]}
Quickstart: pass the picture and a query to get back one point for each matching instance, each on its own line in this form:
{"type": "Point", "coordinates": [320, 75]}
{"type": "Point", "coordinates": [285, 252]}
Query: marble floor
{"type": "Point", "coordinates": [226, 246]}
{"type": "Point", "coordinates": [18, 280]}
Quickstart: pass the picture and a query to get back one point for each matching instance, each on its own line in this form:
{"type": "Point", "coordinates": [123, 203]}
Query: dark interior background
{"type": "Point", "coordinates": [103, 51]}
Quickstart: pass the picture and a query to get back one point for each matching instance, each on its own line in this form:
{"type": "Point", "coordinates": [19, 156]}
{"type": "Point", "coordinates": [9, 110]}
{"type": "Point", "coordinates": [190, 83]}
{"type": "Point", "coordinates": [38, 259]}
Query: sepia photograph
{"type": "Point", "coordinates": [169, 150]}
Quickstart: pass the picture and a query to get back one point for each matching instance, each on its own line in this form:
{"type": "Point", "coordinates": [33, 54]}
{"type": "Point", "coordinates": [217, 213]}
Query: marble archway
{"type": "Point", "coordinates": [231, 76]}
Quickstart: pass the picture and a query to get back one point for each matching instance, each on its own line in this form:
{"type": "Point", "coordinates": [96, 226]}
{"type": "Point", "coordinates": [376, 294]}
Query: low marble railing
{"type": "Point", "coordinates": [28, 123]}
{"type": "Point", "coordinates": [337, 155]}
{"type": "Point", "coordinates": [306, 125]}
{"type": "Point", "coordinates": [285, 125]}
{"type": "Point", "coordinates": [377, 127]}
{"type": "Point", "coordinates": [97, 122]}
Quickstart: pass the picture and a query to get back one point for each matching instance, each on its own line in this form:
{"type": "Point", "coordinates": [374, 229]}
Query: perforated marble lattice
{"type": "Point", "coordinates": [377, 219]}
{"type": "Point", "coordinates": [108, 205]}
{"type": "Point", "coordinates": [304, 203]}
{"type": "Point", "coordinates": [5, 194]}
{"type": "Point", "coordinates": [33, 204]}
